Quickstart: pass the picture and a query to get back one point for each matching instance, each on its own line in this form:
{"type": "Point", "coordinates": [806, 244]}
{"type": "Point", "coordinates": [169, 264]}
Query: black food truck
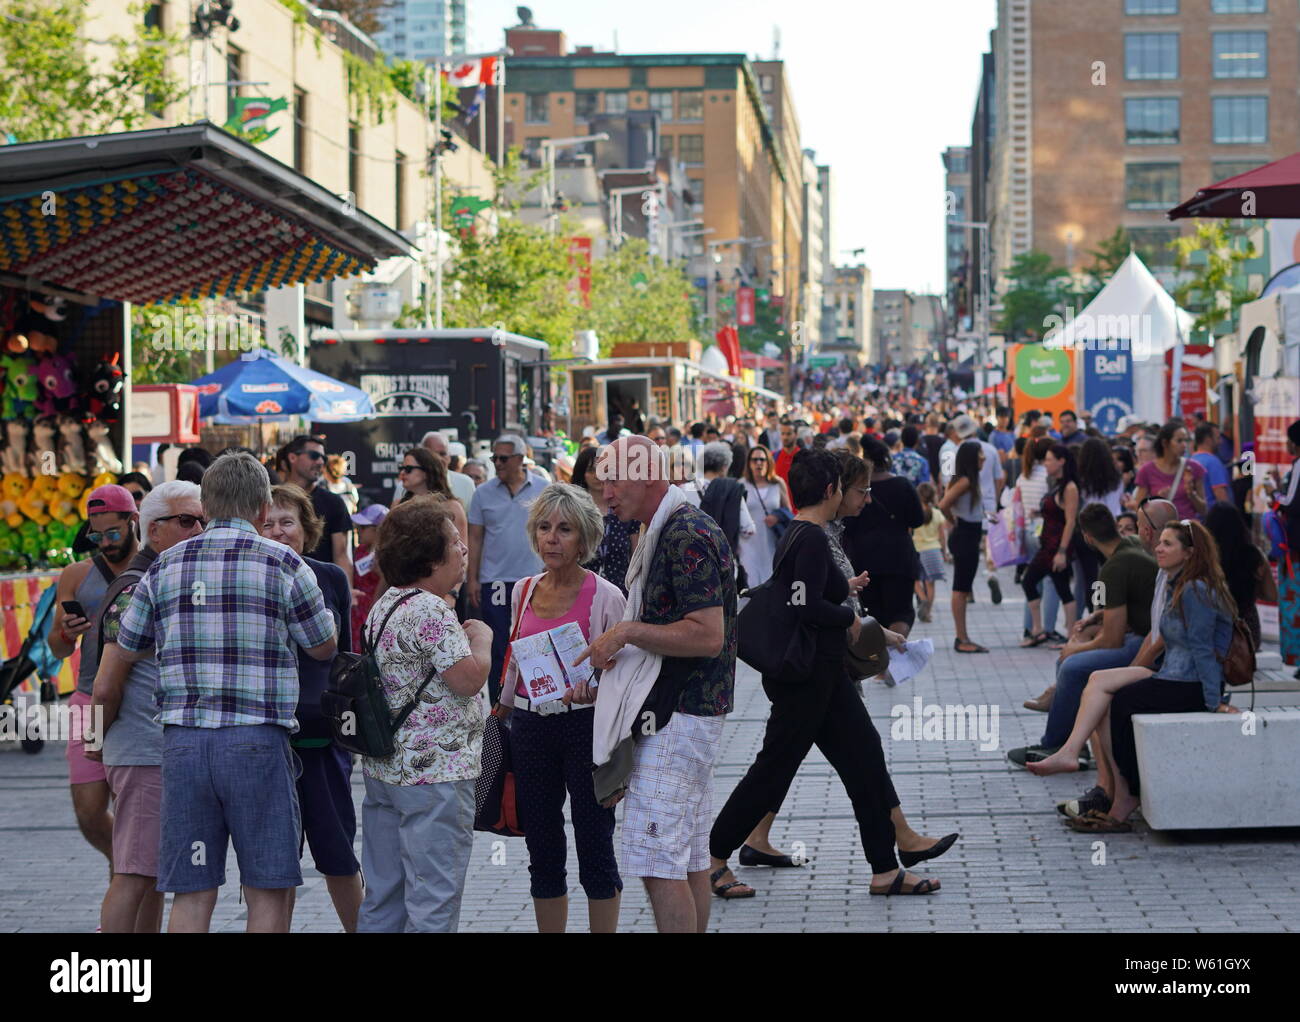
{"type": "Point", "coordinates": [470, 384]}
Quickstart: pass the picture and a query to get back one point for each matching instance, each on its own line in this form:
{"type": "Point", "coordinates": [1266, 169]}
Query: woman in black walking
{"type": "Point", "coordinates": [816, 704]}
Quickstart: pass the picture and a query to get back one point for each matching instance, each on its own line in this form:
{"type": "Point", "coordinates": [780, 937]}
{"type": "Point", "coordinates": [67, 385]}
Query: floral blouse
{"type": "Point", "coordinates": [443, 737]}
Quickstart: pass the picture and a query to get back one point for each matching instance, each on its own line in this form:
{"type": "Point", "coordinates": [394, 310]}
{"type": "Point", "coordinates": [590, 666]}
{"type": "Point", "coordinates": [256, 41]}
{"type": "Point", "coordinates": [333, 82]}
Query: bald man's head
{"type": "Point", "coordinates": [1153, 516]}
{"type": "Point", "coordinates": [633, 472]}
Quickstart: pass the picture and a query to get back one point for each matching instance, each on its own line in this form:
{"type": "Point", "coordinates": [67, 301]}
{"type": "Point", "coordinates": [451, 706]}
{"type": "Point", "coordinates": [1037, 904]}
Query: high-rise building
{"type": "Point", "coordinates": [423, 29]}
{"type": "Point", "coordinates": [1108, 114]}
{"type": "Point", "coordinates": [812, 257]}
{"type": "Point", "coordinates": [957, 239]}
{"type": "Point", "coordinates": [828, 316]}
{"type": "Point", "coordinates": [778, 105]}
{"type": "Point", "coordinates": [850, 298]}
{"type": "Point", "coordinates": [892, 327]}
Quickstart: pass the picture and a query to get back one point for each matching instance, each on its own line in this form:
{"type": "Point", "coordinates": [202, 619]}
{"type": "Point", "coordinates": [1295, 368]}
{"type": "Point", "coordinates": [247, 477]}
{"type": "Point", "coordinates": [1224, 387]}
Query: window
{"type": "Point", "coordinates": [1240, 54]}
{"type": "Point", "coordinates": [616, 102]}
{"type": "Point", "coordinates": [1151, 185]}
{"type": "Point", "coordinates": [153, 19]}
{"type": "Point", "coordinates": [1239, 6]}
{"type": "Point", "coordinates": [1151, 121]}
{"type": "Point", "coordinates": [690, 148]}
{"type": "Point", "coordinates": [1151, 55]}
{"type": "Point", "coordinates": [1152, 244]}
{"type": "Point", "coordinates": [1239, 119]}
{"type": "Point", "coordinates": [399, 191]}
{"type": "Point", "coordinates": [697, 190]}
{"type": "Point", "coordinates": [354, 159]}
{"type": "Point", "coordinates": [666, 146]}
{"type": "Point", "coordinates": [958, 164]}
{"type": "Point", "coordinates": [663, 102]}
{"type": "Point", "coordinates": [1150, 6]}
{"type": "Point", "coordinates": [537, 108]}
{"type": "Point", "coordinates": [300, 131]}
{"type": "Point", "coordinates": [690, 106]}
{"type": "Point", "coordinates": [765, 83]}
{"type": "Point", "coordinates": [1221, 170]}
{"type": "Point", "coordinates": [585, 105]}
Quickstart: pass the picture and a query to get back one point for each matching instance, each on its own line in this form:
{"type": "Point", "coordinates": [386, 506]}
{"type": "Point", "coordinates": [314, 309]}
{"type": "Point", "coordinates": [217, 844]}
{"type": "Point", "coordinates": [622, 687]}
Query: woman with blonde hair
{"type": "Point", "coordinates": [765, 497]}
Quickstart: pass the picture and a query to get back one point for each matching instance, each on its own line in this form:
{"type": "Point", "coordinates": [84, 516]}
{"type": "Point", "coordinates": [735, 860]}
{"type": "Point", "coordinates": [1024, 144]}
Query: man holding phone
{"type": "Point", "coordinates": [79, 595]}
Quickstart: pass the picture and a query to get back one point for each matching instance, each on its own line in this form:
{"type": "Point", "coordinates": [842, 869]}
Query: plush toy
{"type": "Point", "coordinates": [35, 505]}
{"type": "Point", "coordinates": [14, 458]}
{"type": "Point", "coordinates": [62, 507]}
{"type": "Point", "coordinates": [103, 456]}
{"type": "Point", "coordinates": [19, 392]}
{"type": "Point", "coordinates": [46, 488]}
{"type": "Point", "coordinates": [106, 385]}
{"type": "Point", "coordinates": [72, 445]}
{"type": "Point", "coordinates": [44, 457]}
{"type": "Point", "coordinates": [13, 487]}
{"type": "Point", "coordinates": [103, 479]}
{"type": "Point", "coordinates": [40, 323]}
{"type": "Point", "coordinates": [72, 485]}
{"type": "Point", "coordinates": [58, 387]}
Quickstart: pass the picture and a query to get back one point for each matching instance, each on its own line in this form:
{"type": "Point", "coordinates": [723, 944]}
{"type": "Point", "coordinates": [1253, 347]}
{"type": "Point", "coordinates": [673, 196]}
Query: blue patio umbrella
{"type": "Point", "coordinates": [261, 386]}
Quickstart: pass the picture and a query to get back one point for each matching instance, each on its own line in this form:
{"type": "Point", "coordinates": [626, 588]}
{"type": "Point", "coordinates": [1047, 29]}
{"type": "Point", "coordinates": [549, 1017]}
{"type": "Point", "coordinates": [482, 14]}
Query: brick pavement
{"type": "Point", "coordinates": [1016, 868]}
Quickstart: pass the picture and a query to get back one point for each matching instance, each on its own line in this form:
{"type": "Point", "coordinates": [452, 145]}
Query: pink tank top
{"type": "Point", "coordinates": [579, 613]}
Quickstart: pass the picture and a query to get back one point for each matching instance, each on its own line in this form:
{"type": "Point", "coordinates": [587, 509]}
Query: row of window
{"type": "Point", "coordinates": [683, 105]}
{"type": "Point", "coordinates": [1159, 186]}
{"type": "Point", "coordinates": [1216, 6]}
{"type": "Point", "coordinates": [1154, 55]}
{"type": "Point", "coordinates": [1158, 121]}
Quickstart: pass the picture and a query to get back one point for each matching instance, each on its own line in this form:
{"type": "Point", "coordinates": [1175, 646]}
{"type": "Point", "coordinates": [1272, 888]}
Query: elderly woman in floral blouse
{"type": "Point", "coordinates": [418, 813]}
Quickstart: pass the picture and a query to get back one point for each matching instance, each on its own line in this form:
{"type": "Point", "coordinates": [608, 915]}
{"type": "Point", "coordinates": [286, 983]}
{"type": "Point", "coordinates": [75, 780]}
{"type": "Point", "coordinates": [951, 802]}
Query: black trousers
{"type": "Point", "coordinates": [1040, 569]}
{"type": "Point", "coordinates": [825, 710]}
{"type": "Point", "coordinates": [1151, 695]}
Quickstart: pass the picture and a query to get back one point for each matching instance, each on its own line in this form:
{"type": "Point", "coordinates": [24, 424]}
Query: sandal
{"type": "Point", "coordinates": [1036, 640]}
{"type": "Point", "coordinates": [926, 886]}
{"type": "Point", "coordinates": [957, 644]}
{"type": "Point", "coordinates": [721, 892]}
{"type": "Point", "coordinates": [753, 857]}
{"type": "Point", "coordinates": [1094, 821]}
{"type": "Point", "coordinates": [1043, 704]}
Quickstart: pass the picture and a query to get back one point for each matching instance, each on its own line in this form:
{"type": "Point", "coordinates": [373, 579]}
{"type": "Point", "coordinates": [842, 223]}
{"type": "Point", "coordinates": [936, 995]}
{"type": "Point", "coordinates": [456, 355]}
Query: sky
{"type": "Point", "coordinates": [881, 88]}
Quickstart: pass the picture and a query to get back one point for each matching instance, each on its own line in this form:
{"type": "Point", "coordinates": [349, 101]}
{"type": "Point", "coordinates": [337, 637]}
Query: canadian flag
{"type": "Point", "coordinates": [467, 74]}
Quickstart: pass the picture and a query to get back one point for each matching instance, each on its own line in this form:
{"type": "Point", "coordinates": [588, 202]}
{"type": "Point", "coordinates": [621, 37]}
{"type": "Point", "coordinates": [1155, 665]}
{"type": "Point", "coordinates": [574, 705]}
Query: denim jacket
{"type": "Point", "coordinates": [1196, 634]}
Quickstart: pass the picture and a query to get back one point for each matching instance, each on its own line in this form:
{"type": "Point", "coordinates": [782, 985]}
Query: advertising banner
{"type": "Point", "coordinates": [1195, 384]}
{"type": "Point", "coordinates": [1107, 387]}
{"type": "Point", "coordinates": [745, 306]}
{"type": "Point", "coordinates": [1041, 378]}
{"type": "Point", "coordinates": [1276, 401]}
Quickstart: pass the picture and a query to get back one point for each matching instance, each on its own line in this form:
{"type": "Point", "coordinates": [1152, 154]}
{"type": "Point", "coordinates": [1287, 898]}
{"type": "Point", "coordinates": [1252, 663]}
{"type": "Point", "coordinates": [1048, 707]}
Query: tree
{"type": "Point", "coordinates": [365, 14]}
{"type": "Point", "coordinates": [1107, 257]}
{"type": "Point", "coordinates": [51, 88]}
{"type": "Point", "coordinates": [1216, 286]}
{"type": "Point", "coordinates": [1034, 292]}
{"type": "Point", "coordinates": [635, 297]}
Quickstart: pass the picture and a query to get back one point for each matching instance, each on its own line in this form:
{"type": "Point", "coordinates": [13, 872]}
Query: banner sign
{"type": "Point", "coordinates": [1041, 378]}
{"type": "Point", "coordinates": [1276, 401]}
{"type": "Point", "coordinates": [745, 306]}
{"type": "Point", "coordinates": [1194, 386]}
{"type": "Point", "coordinates": [580, 260]}
{"type": "Point", "coordinates": [1107, 387]}
{"type": "Point", "coordinates": [407, 394]}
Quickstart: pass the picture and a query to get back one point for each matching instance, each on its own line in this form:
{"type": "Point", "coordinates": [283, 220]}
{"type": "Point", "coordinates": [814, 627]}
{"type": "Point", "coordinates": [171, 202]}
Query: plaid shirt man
{"type": "Point", "coordinates": [227, 611]}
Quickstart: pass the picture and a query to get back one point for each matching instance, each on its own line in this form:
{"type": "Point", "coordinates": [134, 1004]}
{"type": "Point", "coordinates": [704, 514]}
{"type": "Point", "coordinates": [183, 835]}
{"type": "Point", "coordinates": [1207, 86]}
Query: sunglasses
{"type": "Point", "coordinates": [112, 535]}
{"type": "Point", "coordinates": [1186, 523]}
{"type": "Point", "coordinates": [408, 468]}
{"type": "Point", "coordinates": [501, 459]}
{"type": "Point", "coordinates": [185, 521]}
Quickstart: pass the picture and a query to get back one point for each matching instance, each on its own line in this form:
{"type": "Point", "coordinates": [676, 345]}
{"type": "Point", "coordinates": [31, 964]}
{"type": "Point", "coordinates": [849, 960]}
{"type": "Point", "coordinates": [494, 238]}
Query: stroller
{"type": "Point", "coordinates": [34, 656]}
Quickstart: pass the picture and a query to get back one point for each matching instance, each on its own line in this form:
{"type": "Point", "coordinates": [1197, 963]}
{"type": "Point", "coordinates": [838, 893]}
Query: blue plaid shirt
{"type": "Point", "coordinates": [227, 611]}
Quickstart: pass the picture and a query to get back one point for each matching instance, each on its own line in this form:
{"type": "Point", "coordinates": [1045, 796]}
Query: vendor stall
{"type": "Point", "coordinates": [88, 226]}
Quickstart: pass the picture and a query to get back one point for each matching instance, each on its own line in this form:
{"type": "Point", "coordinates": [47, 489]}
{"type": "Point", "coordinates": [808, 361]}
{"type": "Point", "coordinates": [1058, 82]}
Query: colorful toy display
{"type": "Point", "coordinates": [106, 385]}
{"type": "Point", "coordinates": [19, 392]}
{"type": "Point", "coordinates": [54, 374]}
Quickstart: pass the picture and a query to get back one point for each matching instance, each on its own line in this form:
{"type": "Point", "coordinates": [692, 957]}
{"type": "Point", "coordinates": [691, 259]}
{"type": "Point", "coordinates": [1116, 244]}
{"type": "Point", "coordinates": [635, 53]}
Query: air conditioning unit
{"type": "Point", "coordinates": [374, 305]}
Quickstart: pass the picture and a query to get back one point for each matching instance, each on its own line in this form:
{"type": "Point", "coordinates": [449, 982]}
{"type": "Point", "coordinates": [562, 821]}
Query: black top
{"type": "Point", "coordinates": [878, 539]}
{"type": "Point", "coordinates": [1242, 578]}
{"type": "Point", "coordinates": [818, 588]}
{"type": "Point", "coordinates": [331, 510]}
{"type": "Point", "coordinates": [314, 675]}
{"type": "Point", "coordinates": [930, 445]}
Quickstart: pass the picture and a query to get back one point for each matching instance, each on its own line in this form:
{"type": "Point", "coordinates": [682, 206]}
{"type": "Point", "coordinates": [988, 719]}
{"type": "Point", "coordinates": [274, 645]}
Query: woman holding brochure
{"type": "Point", "coordinates": [551, 737]}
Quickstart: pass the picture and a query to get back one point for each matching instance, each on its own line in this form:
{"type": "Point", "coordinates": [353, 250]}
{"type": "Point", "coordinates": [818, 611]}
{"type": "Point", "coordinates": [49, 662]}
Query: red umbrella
{"type": "Point", "coordinates": [1274, 188]}
{"type": "Point", "coordinates": [753, 360]}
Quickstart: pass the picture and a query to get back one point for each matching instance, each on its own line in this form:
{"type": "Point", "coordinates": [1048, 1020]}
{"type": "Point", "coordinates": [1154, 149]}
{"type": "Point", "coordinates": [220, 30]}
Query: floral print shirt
{"type": "Point", "coordinates": [443, 737]}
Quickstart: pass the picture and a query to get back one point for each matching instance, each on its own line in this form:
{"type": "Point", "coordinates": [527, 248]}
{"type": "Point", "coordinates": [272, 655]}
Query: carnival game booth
{"type": "Point", "coordinates": [88, 227]}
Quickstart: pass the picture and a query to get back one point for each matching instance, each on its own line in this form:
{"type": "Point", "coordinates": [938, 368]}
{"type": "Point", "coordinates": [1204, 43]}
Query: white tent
{"type": "Point", "coordinates": [1132, 313]}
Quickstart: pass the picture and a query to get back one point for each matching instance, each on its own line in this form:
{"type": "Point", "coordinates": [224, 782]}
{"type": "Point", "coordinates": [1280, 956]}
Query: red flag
{"type": "Point", "coordinates": [745, 306]}
{"type": "Point", "coordinates": [467, 74]}
{"type": "Point", "coordinates": [729, 344]}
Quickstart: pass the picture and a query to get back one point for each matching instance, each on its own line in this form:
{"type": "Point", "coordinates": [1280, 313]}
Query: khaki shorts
{"type": "Point", "coordinates": [137, 818]}
{"type": "Point", "coordinates": [668, 809]}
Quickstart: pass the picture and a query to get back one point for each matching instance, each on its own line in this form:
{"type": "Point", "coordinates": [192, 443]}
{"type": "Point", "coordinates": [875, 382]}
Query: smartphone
{"type": "Point", "coordinates": [73, 609]}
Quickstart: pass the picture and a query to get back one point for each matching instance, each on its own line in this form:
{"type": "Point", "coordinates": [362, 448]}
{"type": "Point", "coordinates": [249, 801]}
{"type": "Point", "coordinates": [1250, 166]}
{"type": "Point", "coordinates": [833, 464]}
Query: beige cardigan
{"type": "Point", "coordinates": [606, 611]}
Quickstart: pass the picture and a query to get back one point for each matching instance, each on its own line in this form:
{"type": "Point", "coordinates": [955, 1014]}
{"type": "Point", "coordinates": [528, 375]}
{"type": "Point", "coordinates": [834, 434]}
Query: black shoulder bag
{"type": "Point", "coordinates": [772, 650]}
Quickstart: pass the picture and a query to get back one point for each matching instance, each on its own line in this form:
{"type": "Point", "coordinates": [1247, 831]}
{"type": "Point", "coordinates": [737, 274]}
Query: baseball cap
{"type": "Point", "coordinates": [111, 497]}
{"type": "Point", "coordinates": [1127, 422]}
{"type": "Point", "coordinates": [964, 426]}
{"type": "Point", "coordinates": [372, 515]}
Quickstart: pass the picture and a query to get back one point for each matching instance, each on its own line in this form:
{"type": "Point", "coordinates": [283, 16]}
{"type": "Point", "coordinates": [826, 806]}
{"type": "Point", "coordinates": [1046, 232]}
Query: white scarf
{"type": "Point", "coordinates": [625, 687]}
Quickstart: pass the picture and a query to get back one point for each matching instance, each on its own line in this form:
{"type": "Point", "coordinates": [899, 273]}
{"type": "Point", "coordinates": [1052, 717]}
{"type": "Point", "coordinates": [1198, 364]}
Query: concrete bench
{"type": "Point", "coordinates": [1200, 772]}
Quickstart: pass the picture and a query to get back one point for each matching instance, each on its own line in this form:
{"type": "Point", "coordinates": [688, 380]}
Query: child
{"type": "Point", "coordinates": [368, 584]}
{"type": "Point", "coordinates": [929, 541]}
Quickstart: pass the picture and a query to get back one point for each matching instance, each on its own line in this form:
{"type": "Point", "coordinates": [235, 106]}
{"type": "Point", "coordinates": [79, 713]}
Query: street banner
{"type": "Point", "coordinates": [1107, 387]}
{"type": "Point", "coordinates": [1041, 378]}
{"type": "Point", "coordinates": [1276, 401]}
{"type": "Point", "coordinates": [1195, 383]}
{"type": "Point", "coordinates": [580, 260]}
{"type": "Point", "coordinates": [745, 306]}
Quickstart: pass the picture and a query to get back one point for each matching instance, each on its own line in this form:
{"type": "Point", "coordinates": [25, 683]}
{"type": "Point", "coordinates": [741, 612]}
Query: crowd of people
{"type": "Point", "coordinates": [216, 603]}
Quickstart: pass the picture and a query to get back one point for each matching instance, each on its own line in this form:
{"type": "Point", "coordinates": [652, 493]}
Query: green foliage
{"type": "Point", "coordinates": [1216, 286]}
{"type": "Point", "coordinates": [158, 356]}
{"type": "Point", "coordinates": [635, 297]}
{"type": "Point", "coordinates": [50, 87]}
{"type": "Point", "coordinates": [1035, 290]}
{"type": "Point", "coordinates": [768, 328]}
{"type": "Point", "coordinates": [370, 88]}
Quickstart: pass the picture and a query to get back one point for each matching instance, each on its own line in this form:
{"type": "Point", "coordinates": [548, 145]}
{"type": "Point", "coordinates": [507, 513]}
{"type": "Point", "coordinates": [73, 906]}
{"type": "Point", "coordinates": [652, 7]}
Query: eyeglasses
{"type": "Point", "coordinates": [184, 521]}
{"type": "Point", "coordinates": [408, 468]}
{"type": "Point", "coordinates": [113, 536]}
{"type": "Point", "coordinates": [501, 459]}
{"type": "Point", "coordinates": [1186, 523]}
{"type": "Point", "coordinates": [314, 455]}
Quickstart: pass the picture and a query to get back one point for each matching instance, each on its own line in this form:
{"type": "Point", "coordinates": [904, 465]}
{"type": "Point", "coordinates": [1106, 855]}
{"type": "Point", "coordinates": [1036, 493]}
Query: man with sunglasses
{"type": "Point", "coordinates": [500, 553]}
{"type": "Point", "coordinates": [112, 524]}
{"type": "Point", "coordinates": [129, 741]}
{"type": "Point", "coordinates": [304, 461]}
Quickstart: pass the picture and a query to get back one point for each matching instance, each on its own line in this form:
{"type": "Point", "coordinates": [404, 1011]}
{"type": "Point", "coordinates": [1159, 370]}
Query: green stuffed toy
{"type": "Point", "coordinates": [20, 391]}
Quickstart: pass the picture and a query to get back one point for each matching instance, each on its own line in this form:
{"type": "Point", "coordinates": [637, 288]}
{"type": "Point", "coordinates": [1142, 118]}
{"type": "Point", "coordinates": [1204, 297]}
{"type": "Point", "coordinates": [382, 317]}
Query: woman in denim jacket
{"type": "Point", "coordinates": [1196, 627]}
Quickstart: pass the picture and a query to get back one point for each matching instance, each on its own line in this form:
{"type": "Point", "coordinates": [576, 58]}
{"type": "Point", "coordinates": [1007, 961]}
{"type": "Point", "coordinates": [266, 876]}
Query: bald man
{"type": "Point", "coordinates": [688, 617]}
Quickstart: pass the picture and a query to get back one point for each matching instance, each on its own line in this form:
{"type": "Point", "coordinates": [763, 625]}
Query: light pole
{"type": "Point", "coordinates": [985, 319]}
{"type": "Point", "coordinates": [549, 145]}
{"type": "Point", "coordinates": [713, 259]}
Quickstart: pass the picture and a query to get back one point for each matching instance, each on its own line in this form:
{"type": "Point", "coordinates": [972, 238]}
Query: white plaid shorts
{"type": "Point", "coordinates": [668, 809]}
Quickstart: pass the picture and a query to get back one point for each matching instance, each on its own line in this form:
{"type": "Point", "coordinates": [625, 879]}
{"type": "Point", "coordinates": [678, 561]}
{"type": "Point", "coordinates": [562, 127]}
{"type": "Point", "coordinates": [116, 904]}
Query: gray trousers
{"type": "Point", "coordinates": [416, 841]}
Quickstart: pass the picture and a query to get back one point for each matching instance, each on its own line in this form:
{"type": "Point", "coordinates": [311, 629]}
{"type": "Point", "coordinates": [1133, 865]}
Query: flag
{"type": "Point", "coordinates": [462, 73]}
{"type": "Point", "coordinates": [477, 104]}
{"type": "Point", "coordinates": [250, 115]}
{"type": "Point", "coordinates": [729, 344]}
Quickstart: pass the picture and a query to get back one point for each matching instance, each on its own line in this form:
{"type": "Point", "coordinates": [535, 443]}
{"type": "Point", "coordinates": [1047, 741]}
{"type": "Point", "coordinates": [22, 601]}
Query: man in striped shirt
{"type": "Point", "coordinates": [226, 612]}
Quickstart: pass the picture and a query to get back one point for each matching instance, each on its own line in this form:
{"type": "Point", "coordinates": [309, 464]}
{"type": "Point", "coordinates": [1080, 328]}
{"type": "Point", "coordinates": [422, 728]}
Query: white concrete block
{"type": "Point", "coordinates": [1205, 771]}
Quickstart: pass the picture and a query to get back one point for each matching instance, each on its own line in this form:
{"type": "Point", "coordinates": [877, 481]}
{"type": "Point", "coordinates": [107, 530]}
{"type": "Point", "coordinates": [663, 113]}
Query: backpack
{"type": "Point", "coordinates": [354, 704]}
{"type": "Point", "coordinates": [1239, 661]}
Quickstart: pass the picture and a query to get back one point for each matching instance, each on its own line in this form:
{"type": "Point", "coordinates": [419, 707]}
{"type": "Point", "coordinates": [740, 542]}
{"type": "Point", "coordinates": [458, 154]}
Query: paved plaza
{"type": "Point", "coordinates": [1016, 868]}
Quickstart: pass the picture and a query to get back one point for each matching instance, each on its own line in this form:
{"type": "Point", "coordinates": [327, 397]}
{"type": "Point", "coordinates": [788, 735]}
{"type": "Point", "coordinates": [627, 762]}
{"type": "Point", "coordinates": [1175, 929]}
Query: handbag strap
{"type": "Point", "coordinates": [1178, 478]}
{"type": "Point", "coordinates": [785, 547]}
{"type": "Point", "coordinates": [514, 633]}
{"type": "Point", "coordinates": [366, 641]}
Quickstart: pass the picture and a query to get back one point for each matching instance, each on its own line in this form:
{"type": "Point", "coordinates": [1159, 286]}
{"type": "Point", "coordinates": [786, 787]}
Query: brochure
{"type": "Point", "coordinates": [545, 662]}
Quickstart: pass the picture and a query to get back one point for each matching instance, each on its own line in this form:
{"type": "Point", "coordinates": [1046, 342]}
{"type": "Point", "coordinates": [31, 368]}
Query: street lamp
{"type": "Point", "coordinates": [982, 357]}
{"type": "Point", "coordinates": [548, 146]}
{"type": "Point", "coordinates": [713, 259]}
